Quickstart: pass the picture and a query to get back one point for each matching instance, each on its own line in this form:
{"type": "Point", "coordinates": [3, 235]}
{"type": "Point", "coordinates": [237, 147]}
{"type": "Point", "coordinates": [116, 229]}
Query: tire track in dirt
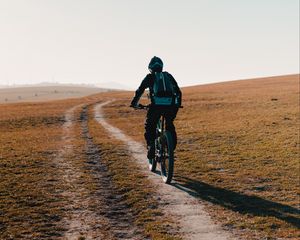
{"type": "Point", "coordinates": [96, 214]}
{"type": "Point", "coordinates": [118, 216]}
{"type": "Point", "coordinates": [194, 221]}
{"type": "Point", "coordinates": [80, 222]}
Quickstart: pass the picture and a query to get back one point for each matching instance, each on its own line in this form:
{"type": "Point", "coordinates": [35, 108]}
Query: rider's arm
{"type": "Point", "coordinates": [139, 92]}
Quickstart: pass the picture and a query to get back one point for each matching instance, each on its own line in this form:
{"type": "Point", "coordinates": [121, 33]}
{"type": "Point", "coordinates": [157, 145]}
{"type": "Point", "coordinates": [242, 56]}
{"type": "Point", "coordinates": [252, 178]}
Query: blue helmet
{"type": "Point", "coordinates": [155, 65]}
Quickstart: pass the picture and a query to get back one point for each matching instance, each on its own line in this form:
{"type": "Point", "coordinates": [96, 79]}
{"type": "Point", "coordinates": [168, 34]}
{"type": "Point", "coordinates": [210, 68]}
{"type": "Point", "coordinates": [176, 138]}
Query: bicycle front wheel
{"type": "Point", "coordinates": [167, 157]}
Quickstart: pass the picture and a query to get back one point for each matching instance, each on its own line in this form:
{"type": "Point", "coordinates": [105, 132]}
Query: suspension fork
{"type": "Point", "coordinates": [160, 131]}
{"type": "Point", "coordinates": [163, 124]}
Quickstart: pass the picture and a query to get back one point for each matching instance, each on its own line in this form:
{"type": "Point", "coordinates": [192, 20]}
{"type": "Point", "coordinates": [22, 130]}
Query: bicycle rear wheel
{"type": "Point", "coordinates": [167, 157]}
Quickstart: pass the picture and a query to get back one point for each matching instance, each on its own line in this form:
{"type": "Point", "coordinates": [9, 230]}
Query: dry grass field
{"type": "Point", "coordinates": [46, 189]}
{"type": "Point", "coordinates": [238, 153]}
{"type": "Point", "coordinates": [29, 194]}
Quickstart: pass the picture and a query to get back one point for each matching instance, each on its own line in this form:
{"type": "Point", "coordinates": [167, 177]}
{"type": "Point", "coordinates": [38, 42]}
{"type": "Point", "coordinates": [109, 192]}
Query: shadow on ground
{"type": "Point", "coordinates": [238, 202]}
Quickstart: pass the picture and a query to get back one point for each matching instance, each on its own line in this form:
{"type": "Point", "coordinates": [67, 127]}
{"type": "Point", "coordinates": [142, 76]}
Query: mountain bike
{"type": "Point", "coordinates": [164, 149]}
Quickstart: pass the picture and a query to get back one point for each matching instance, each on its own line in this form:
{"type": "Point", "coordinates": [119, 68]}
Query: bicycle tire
{"type": "Point", "coordinates": [167, 160]}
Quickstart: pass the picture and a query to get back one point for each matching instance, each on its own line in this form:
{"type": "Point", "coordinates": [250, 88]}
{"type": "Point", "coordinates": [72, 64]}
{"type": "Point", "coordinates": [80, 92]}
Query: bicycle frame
{"type": "Point", "coordinates": [164, 154]}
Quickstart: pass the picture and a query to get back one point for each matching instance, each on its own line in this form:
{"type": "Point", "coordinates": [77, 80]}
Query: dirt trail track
{"type": "Point", "coordinates": [195, 223]}
{"type": "Point", "coordinates": [109, 219]}
{"type": "Point", "coordinates": [80, 220]}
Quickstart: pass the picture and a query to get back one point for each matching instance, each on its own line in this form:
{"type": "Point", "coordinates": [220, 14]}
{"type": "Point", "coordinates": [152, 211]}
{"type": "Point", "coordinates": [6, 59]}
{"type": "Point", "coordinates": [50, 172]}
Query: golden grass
{"type": "Point", "coordinates": [33, 199]}
{"type": "Point", "coordinates": [31, 203]}
{"type": "Point", "coordinates": [29, 197]}
{"type": "Point", "coordinates": [238, 150]}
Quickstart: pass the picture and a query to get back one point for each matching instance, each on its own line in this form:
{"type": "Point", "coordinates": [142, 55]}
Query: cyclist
{"type": "Point", "coordinates": [157, 109]}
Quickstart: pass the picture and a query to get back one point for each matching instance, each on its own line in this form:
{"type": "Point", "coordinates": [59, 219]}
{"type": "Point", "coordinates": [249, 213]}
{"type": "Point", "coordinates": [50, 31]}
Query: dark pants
{"type": "Point", "coordinates": [154, 112]}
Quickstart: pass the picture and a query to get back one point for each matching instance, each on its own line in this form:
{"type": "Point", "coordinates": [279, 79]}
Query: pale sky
{"type": "Point", "coordinates": [94, 41]}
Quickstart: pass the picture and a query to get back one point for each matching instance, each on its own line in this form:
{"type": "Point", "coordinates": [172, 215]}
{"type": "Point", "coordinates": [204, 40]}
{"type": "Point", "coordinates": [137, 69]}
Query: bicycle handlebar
{"type": "Point", "coordinates": [141, 106]}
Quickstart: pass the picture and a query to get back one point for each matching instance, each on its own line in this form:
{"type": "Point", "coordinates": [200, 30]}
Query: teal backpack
{"type": "Point", "coordinates": [163, 90]}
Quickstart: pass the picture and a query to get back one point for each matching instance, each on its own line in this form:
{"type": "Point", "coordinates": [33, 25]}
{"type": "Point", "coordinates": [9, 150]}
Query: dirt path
{"type": "Point", "coordinates": [96, 214]}
{"type": "Point", "coordinates": [119, 220]}
{"type": "Point", "coordinates": [80, 220]}
{"type": "Point", "coordinates": [194, 221]}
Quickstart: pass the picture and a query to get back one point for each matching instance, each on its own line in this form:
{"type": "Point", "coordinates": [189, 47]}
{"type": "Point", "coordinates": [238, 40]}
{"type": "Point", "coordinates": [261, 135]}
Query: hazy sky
{"type": "Point", "coordinates": [94, 41]}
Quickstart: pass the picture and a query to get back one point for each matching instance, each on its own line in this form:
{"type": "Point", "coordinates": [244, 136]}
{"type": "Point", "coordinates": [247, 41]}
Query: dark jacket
{"type": "Point", "coordinates": [148, 82]}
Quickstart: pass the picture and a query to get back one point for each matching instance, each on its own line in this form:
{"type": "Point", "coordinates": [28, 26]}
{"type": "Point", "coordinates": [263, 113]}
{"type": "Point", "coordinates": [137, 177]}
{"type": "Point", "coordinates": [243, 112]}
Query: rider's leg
{"type": "Point", "coordinates": [150, 128]}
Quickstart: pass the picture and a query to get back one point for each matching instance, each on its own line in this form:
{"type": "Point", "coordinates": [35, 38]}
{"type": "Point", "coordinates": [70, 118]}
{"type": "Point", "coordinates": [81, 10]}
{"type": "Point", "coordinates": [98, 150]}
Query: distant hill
{"type": "Point", "coordinates": [114, 85]}
{"type": "Point", "coordinates": [39, 93]}
{"type": "Point", "coordinates": [48, 84]}
{"type": "Point", "coordinates": [105, 85]}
